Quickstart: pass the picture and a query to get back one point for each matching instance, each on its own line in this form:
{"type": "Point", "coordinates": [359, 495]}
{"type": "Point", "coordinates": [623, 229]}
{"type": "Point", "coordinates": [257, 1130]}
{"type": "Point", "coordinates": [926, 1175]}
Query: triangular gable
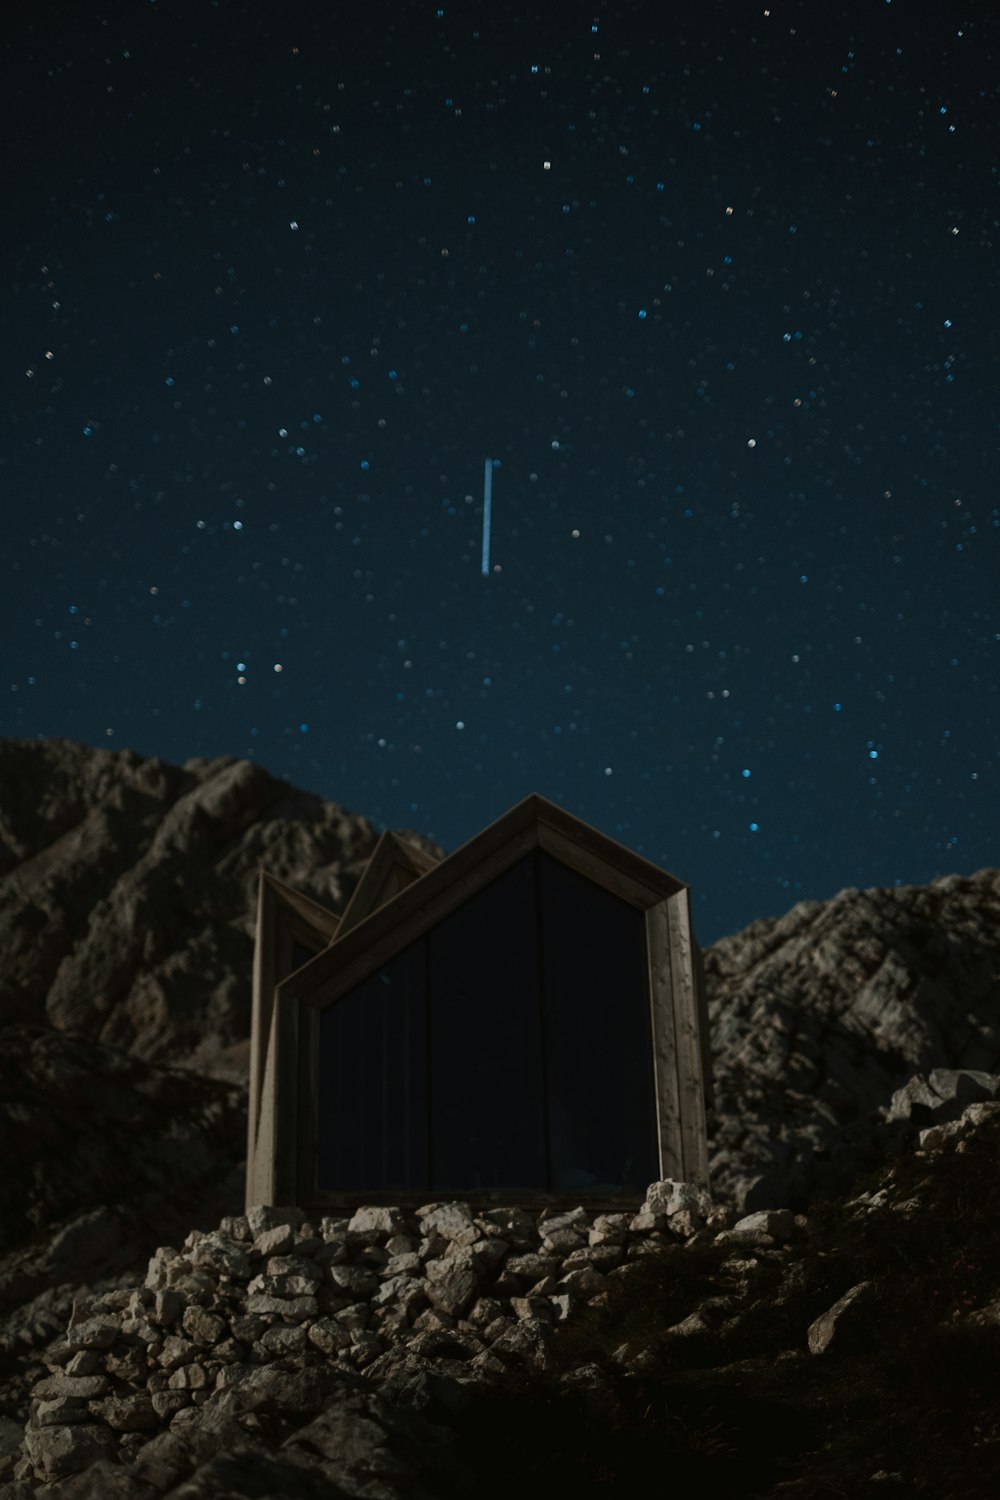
{"type": "Point", "coordinates": [533, 823]}
{"type": "Point", "coordinates": [393, 866]}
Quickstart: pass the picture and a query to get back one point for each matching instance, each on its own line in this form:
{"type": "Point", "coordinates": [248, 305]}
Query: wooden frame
{"type": "Point", "coordinates": [285, 918]}
{"type": "Point", "coordinates": [389, 914]}
{"type": "Point", "coordinates": [393, 866]}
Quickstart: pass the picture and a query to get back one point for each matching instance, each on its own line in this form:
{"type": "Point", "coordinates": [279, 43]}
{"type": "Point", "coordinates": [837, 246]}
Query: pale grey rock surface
{"type": "Point", "coordinates": [819, 1017]}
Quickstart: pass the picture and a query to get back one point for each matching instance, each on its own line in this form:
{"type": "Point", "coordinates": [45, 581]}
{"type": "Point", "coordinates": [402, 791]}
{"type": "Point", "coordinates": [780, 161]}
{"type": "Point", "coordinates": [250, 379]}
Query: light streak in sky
{"type": "Point", "coordinates": [487, 507]}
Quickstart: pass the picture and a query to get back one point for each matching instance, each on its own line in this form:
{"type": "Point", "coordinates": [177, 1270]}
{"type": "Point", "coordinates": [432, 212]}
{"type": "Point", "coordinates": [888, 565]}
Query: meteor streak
{"type": "Point", "coordinates": [487, 507]}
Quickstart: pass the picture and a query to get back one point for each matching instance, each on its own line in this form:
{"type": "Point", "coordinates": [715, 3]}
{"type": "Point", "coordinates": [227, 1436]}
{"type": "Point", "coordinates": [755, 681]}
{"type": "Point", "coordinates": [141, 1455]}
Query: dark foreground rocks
{"type": "Point", "coordinates": [851, 1350]}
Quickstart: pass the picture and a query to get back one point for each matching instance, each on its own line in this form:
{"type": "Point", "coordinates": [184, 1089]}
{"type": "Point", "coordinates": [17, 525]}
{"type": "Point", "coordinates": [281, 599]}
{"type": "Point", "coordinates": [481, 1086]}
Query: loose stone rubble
{"type": "Point", "coordinates": [387, 1294]}
{"type": "Point", "coordinates": [338, 1345]}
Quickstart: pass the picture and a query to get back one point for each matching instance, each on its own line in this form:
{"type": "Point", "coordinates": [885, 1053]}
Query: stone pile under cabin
{"type": "Point", "coordinates": [522, 1022]}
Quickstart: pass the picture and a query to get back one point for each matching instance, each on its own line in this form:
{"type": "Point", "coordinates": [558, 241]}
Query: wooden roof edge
{"type": "Point", "coordinates": [612, 850]}
{"type": "Point", "coordinates": [301, 905]}
{"type": "Point", "coordinates": [413, 852]}
{"type": "Point", "coordinates": [457, 866]}
{"type": "Point", "coordinates": [390, 851]}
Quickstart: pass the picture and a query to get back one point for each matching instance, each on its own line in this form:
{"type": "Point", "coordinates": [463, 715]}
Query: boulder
{"type": "Point", "coordinates": [942, 1095]}
{"type": "Point", "coordinates": [452, 1221]}
{"type": "Point", "coordinates": [450, 1286]}
{"type": "Point", "coordinates": [58, 1451]}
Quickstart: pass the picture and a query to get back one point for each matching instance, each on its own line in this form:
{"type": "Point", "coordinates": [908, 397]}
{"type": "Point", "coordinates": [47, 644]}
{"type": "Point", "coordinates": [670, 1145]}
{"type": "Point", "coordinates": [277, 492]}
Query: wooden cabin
{"type": "Point", "coordinates": [523, 1022]}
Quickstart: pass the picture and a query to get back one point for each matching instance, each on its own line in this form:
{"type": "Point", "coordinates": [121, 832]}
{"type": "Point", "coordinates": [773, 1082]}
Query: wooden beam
{"type": "Point", "coordinates": [694, 1145]}
{"type": "Point", "coordinates": [663, 1014]}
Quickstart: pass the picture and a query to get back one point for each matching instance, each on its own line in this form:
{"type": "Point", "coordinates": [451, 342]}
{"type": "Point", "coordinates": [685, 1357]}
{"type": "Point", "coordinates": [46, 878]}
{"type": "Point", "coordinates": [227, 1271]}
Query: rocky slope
{"type": "Point", "coordinates": [849, 1351]}
{"type": "Point", "coordinates": [127, 897]}
{"type": "Point", "coordinates": [127, 906]}
{"type": "Point", "coordinates": [818, 1017]}
{"type": "Point", "coordinates": [128, 893]}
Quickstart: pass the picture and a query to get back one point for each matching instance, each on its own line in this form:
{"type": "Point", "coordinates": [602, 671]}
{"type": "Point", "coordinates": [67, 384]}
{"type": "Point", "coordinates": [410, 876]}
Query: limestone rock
{"type": "Point", "coordinates": [669, 1197]}
{"type": "Point", "coordinates": [376, 1221]}
{"type": "Point", "coordinates": [821, 1016]}
{"type": "Point", "coordinates": [275, 1241]}
{"type": "Point", "coordinates": [574, 1218]}
{"type": "Point", "coordinates": [329, 1336]}
{"type": "Point", "coordinates": [942, 1095]}
{"type": "Point", "coordinates": [80, 1386]}
{"type": "Point", "coordinates": [126, 1413]}
{"type": "Point", "coordinates": [829, 1330]}
{"type": "Point", "coordinates": [936, 1137]}
{"type": "Point", "coordinates": [57, 1451]}
{"type": "Point", "coordinates": [263, 1217]}
{"type": "Point", "coordinates": [294, 1309]}
{"type": "Point", "coordinates": [92, 1333]}
{"type": "Point", "coordinates": [60, 1411]}
{"type": "Point", "coordinates": [450, 1286]}
{"type": "Point", "coordinates": [765, 1227]}
{"type": "Point", "coordinates": [353, 1279]}
{"type": "Point", "coordinates": [202, 1327]}
{"type": "Point", "coordinates": [530, 1307]}
{"type": "Point", "coordinates": [452, 1221]}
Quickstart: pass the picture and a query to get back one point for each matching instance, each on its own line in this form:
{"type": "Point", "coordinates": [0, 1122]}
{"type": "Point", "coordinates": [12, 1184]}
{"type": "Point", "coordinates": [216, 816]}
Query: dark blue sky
{"type": "Point", "coordinates": [716, 292]}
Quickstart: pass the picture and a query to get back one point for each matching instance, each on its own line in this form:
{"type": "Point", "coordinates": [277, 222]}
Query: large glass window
{"type": "Point", "coordinates": [487, 1120]}
{"type": "Point", "coordinates": [598, 1043]}
{"type": "Point", "coordinates": [373, 1081]}
{"type": "Point", "coordinates": [508, 1048]}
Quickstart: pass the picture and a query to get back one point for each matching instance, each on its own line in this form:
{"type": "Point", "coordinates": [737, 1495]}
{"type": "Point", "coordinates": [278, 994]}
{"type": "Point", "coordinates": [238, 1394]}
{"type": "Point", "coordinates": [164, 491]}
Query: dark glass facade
{"type": "Point", "coordinates": [487, 1117]}
{"type": "Point", "coordinates": [598, 1036]}
{"type": "Point", "coordinates": [373, 1081]}
{"type": "Point", "coordinates": [509, 1048]}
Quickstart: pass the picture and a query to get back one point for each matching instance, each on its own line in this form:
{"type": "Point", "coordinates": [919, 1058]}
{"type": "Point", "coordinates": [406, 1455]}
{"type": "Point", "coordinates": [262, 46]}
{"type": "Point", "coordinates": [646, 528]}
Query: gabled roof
{"type": "Point", "coordinates": [393, 866]}
{"type": "Point", "coordinates": [362, 948]}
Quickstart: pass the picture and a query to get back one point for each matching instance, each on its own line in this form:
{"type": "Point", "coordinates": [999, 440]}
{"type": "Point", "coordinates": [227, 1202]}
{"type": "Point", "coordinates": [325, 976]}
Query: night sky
{"type": "Point", "coordinates": [713, 286]}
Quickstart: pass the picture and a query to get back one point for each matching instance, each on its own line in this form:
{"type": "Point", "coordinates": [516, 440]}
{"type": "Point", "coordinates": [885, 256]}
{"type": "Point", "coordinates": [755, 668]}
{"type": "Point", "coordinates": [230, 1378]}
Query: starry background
{"type": "Point", "coordinates": [715, 292]}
